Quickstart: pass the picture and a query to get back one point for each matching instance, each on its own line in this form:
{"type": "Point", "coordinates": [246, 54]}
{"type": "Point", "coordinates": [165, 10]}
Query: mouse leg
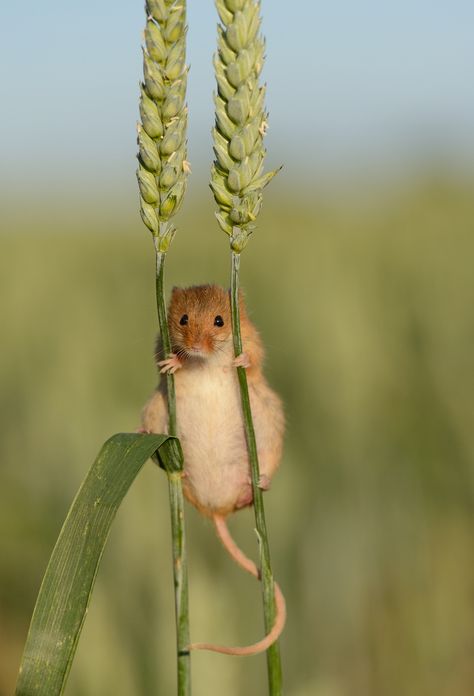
{"type": "Point", "coordinates": [246, 495]}
{"type": "Point", "coordinates": [245, 498]}
{"type": "Point", "coordinates": [155, 414]}
{"type": "Point", "coordinates": [264, 482]}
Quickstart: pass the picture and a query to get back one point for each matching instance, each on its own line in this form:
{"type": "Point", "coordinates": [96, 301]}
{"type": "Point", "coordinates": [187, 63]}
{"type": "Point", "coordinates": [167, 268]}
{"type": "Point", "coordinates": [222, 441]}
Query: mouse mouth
{"type": "Point", "coordinates": [196, 352]}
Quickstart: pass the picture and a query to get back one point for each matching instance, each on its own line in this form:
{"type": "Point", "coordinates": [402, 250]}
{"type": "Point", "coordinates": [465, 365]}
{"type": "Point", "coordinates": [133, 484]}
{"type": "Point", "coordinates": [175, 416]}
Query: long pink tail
{"type": "Point", "coordinates": [248, 565]}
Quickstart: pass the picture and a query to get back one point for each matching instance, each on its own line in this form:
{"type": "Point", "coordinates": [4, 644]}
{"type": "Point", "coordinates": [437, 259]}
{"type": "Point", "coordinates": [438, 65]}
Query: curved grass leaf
{"type": "Point", "coordinates": [67, 585]}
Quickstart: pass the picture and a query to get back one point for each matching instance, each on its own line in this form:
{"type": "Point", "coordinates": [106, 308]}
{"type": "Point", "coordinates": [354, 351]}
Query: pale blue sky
{"type": "Point", "coordinates": [353, 87]}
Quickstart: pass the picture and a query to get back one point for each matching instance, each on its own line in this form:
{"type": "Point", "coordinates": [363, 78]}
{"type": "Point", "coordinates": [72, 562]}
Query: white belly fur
{"type": "Point", "coordinates": [210, 427]}
{"type": "Point", "coordinates": [211, 431]}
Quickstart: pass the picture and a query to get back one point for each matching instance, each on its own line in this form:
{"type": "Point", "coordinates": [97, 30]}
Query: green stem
{"type": "Point", "coordinates": [273, 653]}
{"type": "Point", "coordinates": [165, 334]}
{"type": "Point", "coordinates": [180, 570]}
{"type": "Point", "coordinates": [173, 467]}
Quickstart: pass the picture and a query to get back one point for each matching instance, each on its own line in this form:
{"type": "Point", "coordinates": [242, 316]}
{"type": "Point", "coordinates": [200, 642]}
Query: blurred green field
{"type": "Point", "coordinates": [367, 312]}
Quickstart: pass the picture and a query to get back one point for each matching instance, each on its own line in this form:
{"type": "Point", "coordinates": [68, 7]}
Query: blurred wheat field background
{"type": "Point", "coordinates": [366, 310]}
{"type": "Point", "coordinates": [360, 278]}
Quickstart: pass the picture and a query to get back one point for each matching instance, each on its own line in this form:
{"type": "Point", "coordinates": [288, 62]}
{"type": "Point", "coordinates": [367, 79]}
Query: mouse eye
{"type": "Point", "coordinates": [218, 321]}
{"type": "Point", "coordinates": [184, 320]}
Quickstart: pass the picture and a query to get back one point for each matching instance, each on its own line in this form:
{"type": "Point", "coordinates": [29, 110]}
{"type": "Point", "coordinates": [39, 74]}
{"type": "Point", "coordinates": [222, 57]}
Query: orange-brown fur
{"type": "Point", "coordinates": [205, 302]}
{"type": "Point", "coordinates": [210, 423]}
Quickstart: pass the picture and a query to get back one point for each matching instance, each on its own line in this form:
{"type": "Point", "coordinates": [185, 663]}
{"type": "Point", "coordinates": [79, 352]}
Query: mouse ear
{"type": "Point", "coordinates": [176, 297]}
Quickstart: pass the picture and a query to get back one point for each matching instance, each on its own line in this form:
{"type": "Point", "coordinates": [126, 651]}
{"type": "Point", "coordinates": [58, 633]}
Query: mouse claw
{"type": "Point", "coordinates": [170, 365]}
{"type": "Point", "coordinates": [242, 360]}
{"type": "Point", "coordinates": [142, 431]}
{"type": "Point", "coordinates": [263, 482]}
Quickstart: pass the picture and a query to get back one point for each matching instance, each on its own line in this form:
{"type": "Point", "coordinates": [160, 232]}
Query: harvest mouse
{"type": "Point", "coordinates": [209, 415]}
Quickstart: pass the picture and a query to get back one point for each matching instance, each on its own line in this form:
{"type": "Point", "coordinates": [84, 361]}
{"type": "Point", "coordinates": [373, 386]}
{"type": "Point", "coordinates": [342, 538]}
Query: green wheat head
{"type": "Point", "coordinates": [241, 120]}
{"type": "Point", "coordinates": [163, 168]}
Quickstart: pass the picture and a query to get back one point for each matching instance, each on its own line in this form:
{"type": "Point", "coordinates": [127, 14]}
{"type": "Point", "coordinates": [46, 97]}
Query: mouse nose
{"type": "Point", "coordinates": [194, 346]}
{"type": "Point", "coordinates": [200, 346]}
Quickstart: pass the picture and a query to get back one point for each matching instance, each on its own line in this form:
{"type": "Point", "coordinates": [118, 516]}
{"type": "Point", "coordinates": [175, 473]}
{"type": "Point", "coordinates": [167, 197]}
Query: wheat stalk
{"type": "Point", "coordinates": [162, 174]}
{"type": "Point", "coordinates": [163, 168]}
{"type": "Point", "coordinates": [237, 180]}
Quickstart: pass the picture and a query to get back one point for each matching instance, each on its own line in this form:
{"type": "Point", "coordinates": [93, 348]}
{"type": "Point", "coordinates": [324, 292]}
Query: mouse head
{"type": "Point", "coordinates": [199, 320]}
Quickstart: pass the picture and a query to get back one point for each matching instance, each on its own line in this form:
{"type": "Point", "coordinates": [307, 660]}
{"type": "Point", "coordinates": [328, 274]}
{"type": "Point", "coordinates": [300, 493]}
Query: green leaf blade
{"type": "Point", "coordinates": [67, 585]}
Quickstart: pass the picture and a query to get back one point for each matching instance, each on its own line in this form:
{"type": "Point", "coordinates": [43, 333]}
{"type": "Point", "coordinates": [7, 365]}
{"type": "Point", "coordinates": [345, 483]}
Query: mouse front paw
{"type": "Point", "coordinates": [242, 360]}
{"type": "Point", "coordinates": [171, 364]}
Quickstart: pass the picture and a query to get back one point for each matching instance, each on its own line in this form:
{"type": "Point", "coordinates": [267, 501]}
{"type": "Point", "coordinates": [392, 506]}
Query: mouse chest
{"type": "Point", "coordinates": [209, 409]}
{"type": "Point", "coordinates": [211, 431]}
